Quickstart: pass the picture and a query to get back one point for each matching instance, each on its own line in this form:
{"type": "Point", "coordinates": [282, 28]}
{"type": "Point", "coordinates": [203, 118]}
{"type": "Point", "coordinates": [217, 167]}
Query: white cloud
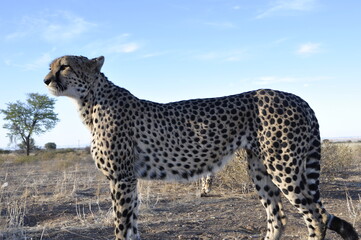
{"type": "Point", "coordinates": [207, 56]}
{"type": "Point", "coordinates": [39, 62]}
{"type": "Point", "coordinates": [58, 26]}
{"type": "Point", "coordinates": [117, 44]}
{"type": "Point", "coordinates": [221, 25]}
{"type": "Point", "coordinates": [156, 54]}
{"type": "Point", "coordinates": [287, 7]}
{"type": "Point", "coordinates": [8, 62]}
{"type": "Point", "coordinates": [123, 48]}
{"type": "Point", "coordinates": [234, 58]}
{"type": "Point", "coordinates": [308, 49]}
{"type": "Point", "coordinates": [280, 40]}
{"type": "Point", "coordinates": [271, 80]}
{"type": "Point", "coordinates": [70, 27]}
{"type": "Point", "coordinates": [268, 80]}
{"type": "Point", "coordinates": [227, 56]}
{"type": "Point", "coordinates": [32, 65]}
{"type": "Point", "coordinates": [130, 47]}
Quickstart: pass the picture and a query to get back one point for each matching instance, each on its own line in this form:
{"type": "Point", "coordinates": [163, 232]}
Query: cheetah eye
{"type": "Point", "coordinates": [63, 67]}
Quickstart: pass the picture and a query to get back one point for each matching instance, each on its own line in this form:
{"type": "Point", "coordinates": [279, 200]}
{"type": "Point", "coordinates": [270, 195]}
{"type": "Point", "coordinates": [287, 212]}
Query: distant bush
{"type": "Point", "coordinates": [4, 151]}
{"type": "Point", "coordinates": [22, 146]}
{"type": "Point", "coordinates": [50, 146]}
{"type": "Point", "coordinates": [2, 159]}
{"type": "Point", "coordinates": [235, 175]}
{"type": "Point", "coordinates": [25, 159]}
{"type": "Point", "coordinates": [64, 157]}
{"type": "Point", "coordinates": [66, 150]}
{"type": "Point", "coordinates": [87, 149]}
{"type": "Point", "coordinates": [336, 157]}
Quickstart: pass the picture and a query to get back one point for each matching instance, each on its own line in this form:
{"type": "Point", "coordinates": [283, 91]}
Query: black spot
{"type": "Point", "coordinates": [271, 167]}
{"type": "Point", "coordinates": [121, 227]}
{"type": "Point", "coordinates": [184, 175]}
{"type": "Point", "coordinates": [118, 195]}
{"type": "Point", "coordinates": [162, 175]}
{"type": "Point", "coordinates": [313, 175]}
{"type": "Point", "coordinates": [278, 179]}
{"type": "Point", "coordinates": [313, 187]}
{"type": "Point", "coordinates": [279, 167]}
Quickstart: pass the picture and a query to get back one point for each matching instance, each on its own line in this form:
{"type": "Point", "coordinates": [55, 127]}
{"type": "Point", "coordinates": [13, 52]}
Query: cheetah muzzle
{"type": "Point", "coordinates": [137, 139]}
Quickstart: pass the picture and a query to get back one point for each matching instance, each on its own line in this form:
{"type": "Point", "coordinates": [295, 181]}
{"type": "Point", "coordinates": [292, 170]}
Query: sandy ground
{"type": "Point", "coordinates": [55, 200]}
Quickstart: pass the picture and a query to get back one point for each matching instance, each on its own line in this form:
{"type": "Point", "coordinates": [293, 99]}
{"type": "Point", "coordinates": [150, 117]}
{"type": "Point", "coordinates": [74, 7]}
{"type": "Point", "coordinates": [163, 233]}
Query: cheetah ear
{"type": "Point", "coordinates": [97, 63]}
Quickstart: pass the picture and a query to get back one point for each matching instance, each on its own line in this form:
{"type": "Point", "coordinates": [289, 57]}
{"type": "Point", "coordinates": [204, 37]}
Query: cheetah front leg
{"type": "Point", "coordinates": [125, 207]}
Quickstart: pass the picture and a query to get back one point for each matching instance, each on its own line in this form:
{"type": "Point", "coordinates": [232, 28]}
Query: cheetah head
{"type": "Point", "coordinates": [73, 76]}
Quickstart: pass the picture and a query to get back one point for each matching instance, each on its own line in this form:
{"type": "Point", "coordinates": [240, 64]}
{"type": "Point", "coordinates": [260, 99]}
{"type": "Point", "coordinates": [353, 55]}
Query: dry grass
{"type": "Point", "coordinates": [339, 157]}
{"type": "Point", "coordinates": [335, 156]}
{"type": "Point", "coordinates": [31, 187]}
{"type": "Point", "coordinates": [353, 207]}
{"type": "Point", "coordinates": [235, 175]}
{"type": "Point", "coordinates": [63, 191]}
{"type": "Point", "coordinates": [336, 162]}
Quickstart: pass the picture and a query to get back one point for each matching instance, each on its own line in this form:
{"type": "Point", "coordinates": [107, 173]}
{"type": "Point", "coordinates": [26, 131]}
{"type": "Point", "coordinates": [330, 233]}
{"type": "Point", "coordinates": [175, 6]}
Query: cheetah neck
{"type": "Point", "coordinates": [85, 108]}
{"type": "Point", "coordinates": [87, 104]}
{"type": "Point", "coordinates": [101, 98]}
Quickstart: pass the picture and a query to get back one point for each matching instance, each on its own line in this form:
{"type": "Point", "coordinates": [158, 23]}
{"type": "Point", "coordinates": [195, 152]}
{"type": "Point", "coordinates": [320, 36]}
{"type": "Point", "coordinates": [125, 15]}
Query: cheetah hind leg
{"type": "Point", "coordinates": [303, 193]}
{"type": "Point", "coordinates": [206, 185]}
{"type": "Point", "coordinates": [270, 197]}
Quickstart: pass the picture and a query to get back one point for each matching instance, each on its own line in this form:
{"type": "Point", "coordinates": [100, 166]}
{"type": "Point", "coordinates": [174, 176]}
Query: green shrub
{"type": "Point", "coordinates": [22, 146]}
{"type": "Point", "coordinates": [50, 146]}
{"type": "Point", "coordinates": [4, 151]}
{"type": "Point", "coordinates": [65, 150]}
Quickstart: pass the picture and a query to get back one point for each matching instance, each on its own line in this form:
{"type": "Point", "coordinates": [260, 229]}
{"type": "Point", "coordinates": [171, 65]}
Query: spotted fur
{"type": "Point", "coordinates": [207, 182]}
{"type": "Point", "coordinates": [137, 139]}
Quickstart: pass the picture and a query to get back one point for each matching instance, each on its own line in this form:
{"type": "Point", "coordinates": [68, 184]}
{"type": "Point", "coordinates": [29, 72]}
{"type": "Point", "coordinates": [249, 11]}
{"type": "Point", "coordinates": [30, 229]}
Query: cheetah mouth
{"type": "Point", "coordinates": [56, 88]}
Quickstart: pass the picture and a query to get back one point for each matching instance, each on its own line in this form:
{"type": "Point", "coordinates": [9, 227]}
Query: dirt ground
{"type": "Point", "coordinates": [58, 200]}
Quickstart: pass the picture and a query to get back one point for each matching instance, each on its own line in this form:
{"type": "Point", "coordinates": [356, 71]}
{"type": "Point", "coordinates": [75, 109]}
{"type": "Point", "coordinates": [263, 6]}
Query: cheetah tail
{"type": "Point", "coordinates": [342, 227]}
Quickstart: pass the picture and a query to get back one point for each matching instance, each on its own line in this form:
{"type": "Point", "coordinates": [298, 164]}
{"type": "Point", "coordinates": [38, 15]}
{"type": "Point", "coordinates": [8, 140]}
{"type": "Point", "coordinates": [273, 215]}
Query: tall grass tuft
{"type": "Point", "coordinates": [336, 157]}
{"type": "Point", "coordinates": [235, 175]}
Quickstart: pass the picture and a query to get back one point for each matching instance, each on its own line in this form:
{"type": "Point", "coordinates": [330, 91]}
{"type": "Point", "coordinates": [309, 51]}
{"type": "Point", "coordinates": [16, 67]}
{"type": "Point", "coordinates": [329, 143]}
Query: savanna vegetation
{"type": "Point", "coordinates": [59, 194]}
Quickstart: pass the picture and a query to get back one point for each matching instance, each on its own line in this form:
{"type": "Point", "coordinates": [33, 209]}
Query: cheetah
{"type": "Point", "coordinates": [138, 139]}
{"type": "Point", "coordinates": [207, 182]}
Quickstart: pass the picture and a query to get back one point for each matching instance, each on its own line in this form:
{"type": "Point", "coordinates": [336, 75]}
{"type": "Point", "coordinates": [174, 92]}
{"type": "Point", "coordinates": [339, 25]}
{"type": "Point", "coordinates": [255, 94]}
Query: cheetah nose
{"type": "Point", "coordinates": [47, 81]}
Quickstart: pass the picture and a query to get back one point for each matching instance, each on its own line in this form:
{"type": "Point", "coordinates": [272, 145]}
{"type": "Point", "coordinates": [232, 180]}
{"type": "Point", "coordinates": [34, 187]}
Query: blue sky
{"type": "Point", "coordinates": [169, 50]}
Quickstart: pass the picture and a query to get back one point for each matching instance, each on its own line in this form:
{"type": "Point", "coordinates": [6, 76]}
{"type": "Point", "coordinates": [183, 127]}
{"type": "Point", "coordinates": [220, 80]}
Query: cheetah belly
{"type": "Point", "coordinates": [178, 166]}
